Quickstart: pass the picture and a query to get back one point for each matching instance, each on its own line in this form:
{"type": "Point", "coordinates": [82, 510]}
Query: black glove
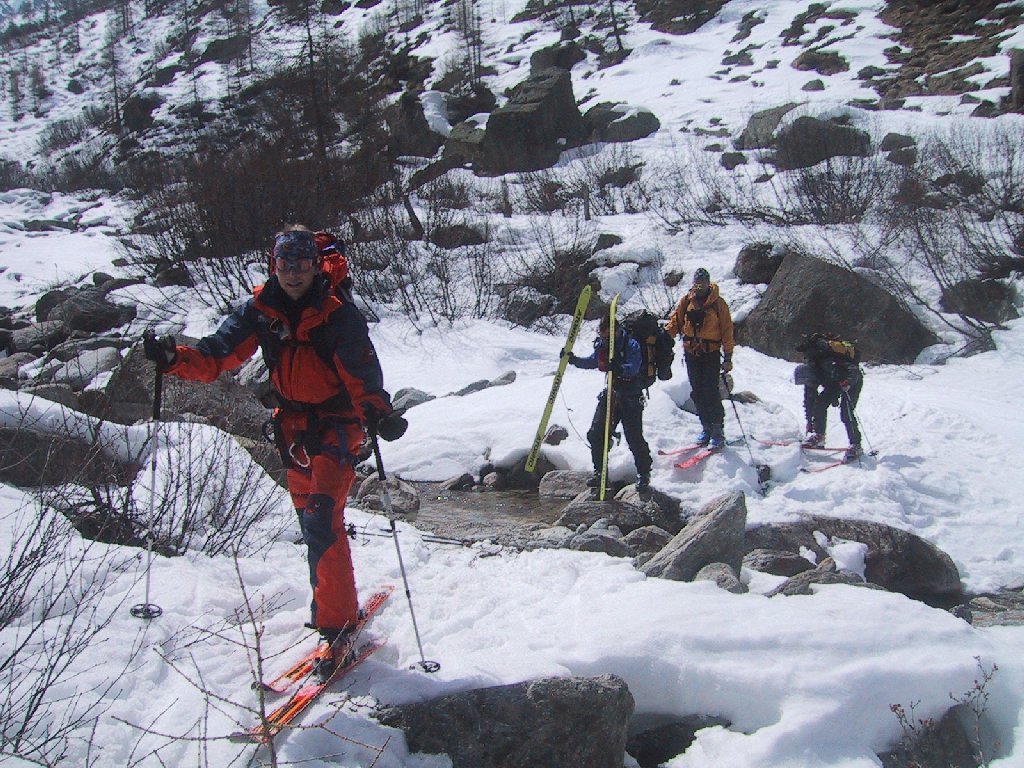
{"type": "Point", "coordinates": [162, 350]}
{"type": "Point", "coordinates": [615, 366]}
{"type": "Point", "coordinates": [726, 363]}
{"type": "Point", "coordinates": [390, 427]}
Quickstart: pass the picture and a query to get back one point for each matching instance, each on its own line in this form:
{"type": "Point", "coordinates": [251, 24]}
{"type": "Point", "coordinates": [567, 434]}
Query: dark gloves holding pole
{"type": "Point", "coordinates": [726, 363]}
{"type": "Point", "coordinates": [389, 427]}
{"type": "Point", "coordinates": [162, 350]}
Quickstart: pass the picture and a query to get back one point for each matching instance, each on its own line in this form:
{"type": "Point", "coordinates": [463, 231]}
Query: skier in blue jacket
{"type": "Point", "coordinates": [627, 402]}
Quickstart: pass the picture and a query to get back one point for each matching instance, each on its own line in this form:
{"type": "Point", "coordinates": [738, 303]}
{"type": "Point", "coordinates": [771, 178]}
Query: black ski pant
{"type": "Point", "coordinates": [627, 408]}
{"type": "Point", "coordinates": [704, 372]}
{"type": "Point", "coordinates": [818, 399]}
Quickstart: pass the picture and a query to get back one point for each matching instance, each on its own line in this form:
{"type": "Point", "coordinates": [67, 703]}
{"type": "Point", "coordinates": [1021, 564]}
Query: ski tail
{"type": "Point", "coordinates": [577, 320]}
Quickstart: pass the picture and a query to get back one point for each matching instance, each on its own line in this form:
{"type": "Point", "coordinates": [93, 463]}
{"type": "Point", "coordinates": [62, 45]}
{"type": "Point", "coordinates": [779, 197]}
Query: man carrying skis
{"type": "Point", "coordinates": [830, 376]}
{"type": "Point", "coordinates": [702, 318]}
{"type": "Point", "coordinates": [627, 402]}
{"type": "Point", "coordinates": [329, 387]}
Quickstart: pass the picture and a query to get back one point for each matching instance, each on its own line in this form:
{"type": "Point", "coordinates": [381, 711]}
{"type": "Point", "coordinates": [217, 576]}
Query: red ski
{"type": "Point", "coordinates": [825, 448]}
{"type": "Point", "coordinates": [283, 716]}
{"type": "Point", "coordinates": [697, 458]}
{"type": "Point", "coordinates": [298, 671]}
{"type": "Point", "coordinates": [677, 451]}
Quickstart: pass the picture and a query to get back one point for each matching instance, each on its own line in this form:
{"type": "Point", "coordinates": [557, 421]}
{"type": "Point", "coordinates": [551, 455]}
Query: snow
{"type": "Point", "coordinates": [805, 681]}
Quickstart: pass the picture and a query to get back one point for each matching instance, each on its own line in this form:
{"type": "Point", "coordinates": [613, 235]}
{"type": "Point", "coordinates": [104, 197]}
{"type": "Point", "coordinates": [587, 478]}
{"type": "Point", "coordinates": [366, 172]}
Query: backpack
{"type": "Point", "coordinates": [829, 344]}
{"type": "Point", "coordinates": [333, 263]}
{"type": "Point", "coordinates": [655, 346]}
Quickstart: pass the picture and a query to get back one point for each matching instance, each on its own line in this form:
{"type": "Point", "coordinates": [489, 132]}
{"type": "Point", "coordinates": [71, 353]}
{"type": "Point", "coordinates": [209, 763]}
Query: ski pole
{"type": "Point", "coordinates": [860, 427]}
{"type": "Point", "coordinates": [764, 472]}
{"type": "Point", "coordinates": [385, 496]}
{"type": "Point", "coordinates": [146, 609]}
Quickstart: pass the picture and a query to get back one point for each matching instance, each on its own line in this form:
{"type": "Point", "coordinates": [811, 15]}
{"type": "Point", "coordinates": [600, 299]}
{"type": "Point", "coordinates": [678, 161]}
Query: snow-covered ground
{"type": "Point", "coordinates": [806, 681]}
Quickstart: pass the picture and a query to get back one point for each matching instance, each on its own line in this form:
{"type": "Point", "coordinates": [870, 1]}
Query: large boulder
{"type": "Point", "coordinates": [619, 122]}
{"type": "Point", "coordinates": [29, 458]}
{"type": "Point", "coordinates": [808, 295]}
{"type": "Point", "coordinates": [896, 560]}
{"type": "Point", "coordinates": [573, 721]}
{"type": "Point", "coordinates": [807, 141]}
{"type": "Point", "coordinates": [87, 309]}
{"type": "Point", "coordinates": [539, 121]}
{"type": "Point", "coordinates": [760, 129]}
{"type": "Point", "coordinates": [988, 300]}
{"type": "Point", "coordinates": [563, 55]}
{"type": "Point", "coordinates": [714, 535]}
{"type": "Point", "coordinates": [409, 130]}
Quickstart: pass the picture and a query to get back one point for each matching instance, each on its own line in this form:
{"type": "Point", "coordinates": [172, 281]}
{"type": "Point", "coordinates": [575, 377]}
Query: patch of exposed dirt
{"type": "Point", "coordinates": [930, 62]}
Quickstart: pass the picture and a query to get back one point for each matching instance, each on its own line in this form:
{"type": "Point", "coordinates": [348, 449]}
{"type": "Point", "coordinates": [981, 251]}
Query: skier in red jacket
{"type": "Point", "coordinates": [329, 388]}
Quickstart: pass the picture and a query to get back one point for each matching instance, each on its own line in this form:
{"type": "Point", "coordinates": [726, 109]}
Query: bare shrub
{"type": "Point", "coordinates": [608, 181]}
{"type": "Point", "coordinates": [965, 220]}
{"type": "Point", "coordinates": [553, 258]}
{"type": "Point", "coordinates": [61, 134]}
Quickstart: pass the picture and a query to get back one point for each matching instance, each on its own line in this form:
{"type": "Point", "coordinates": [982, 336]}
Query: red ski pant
{"type": "Point", "coordinates": [319, 492]}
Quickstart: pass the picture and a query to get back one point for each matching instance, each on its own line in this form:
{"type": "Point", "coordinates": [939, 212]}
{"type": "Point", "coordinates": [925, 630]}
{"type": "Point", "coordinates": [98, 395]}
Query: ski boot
{"type": "Point", "coordinates": [643, 482]}
{"type": "Point", "coordinates": [717, 442]}
{"type": "Point", "coordinates": [853, 453]}
{"type": "Point", "coordinates": [813, 440]}
{"type": "Point", "coordinates": [704, 437]}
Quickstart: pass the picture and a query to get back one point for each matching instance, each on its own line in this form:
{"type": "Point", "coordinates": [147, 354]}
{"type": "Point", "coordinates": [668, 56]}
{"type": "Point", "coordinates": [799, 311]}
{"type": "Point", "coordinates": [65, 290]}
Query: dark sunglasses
{"type": "Point", "coordinates": [294, 265]}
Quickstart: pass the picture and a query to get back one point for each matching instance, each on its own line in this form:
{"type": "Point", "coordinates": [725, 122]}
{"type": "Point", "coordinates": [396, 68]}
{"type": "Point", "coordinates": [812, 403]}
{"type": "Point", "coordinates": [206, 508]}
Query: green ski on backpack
{"type": "Point", "coordinates": [608, 396]}
{"type": "Point", "coordinates": [577, 320]}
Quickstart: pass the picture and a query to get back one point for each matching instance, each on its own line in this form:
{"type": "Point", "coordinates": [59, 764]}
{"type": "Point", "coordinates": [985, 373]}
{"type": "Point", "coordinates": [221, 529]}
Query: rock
{"type": "Point", "coordinates": [808, 295]}
{"type": "Point", "coordinates": [39, 337]}
{"type": "Point", "coordinates": [405, 499]}
{"type": "Point", "coordinates": [987, 300]}
{"type": "Point", "coordinates": [601, 538]}
{"type": "Point", "coordinates": [556, 434]}
{"type": "Point", "coordinates": [761, 127]}
{"type": "Point", "coordinates": [88, 309]}
{"type": "Point", "coordinates": [647, 538]}
{"type": "Point", "coordinates": [824, 573]}
{"type": "Point", "coordinates": [80, 371]}
{"type": "Point", "coordinates": [896, 560]}
{"type": "Point", "coordinates": [563, 484]}
{"type": "Point", "coordinates": [757, 263]}
{"type": "Point", "coordinates": [538, 122]}
{"type": "Point", "coordinates": [656, 739]}
{"type": "Point", "coordinates": [525, 306]}
{"type": "Point", "coordinates": [29, 458]}
{"type": "Point", "coordinates": [564, 55]}
{"type": "Point", "coordinates": [658, 508]}
{"type": "Point", "coordinates": [463, 482]}
{"type": "Point", "coordinates": [571, 721]}
{"type": "Point", "coordinates": [776, 562]}
{"type": "Point", "coordinates": [613, 122]}
{"type": "Point", "coordinates": [56, 393]}
{"type": "Point", "coordinates": [223, 403]}
{"type": "Point", "coordinates": [943, 742]}
{"type": "Point", "coordinates": [712, 536]}
{"type": "Point", "coordinates": [408, 129]}
{"type": "Point", "coordinates": [723, 576]}
{"type": "Point", "coordinates": [807, 141]}
{"type": "Point", "coordinates": [9, 365]}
